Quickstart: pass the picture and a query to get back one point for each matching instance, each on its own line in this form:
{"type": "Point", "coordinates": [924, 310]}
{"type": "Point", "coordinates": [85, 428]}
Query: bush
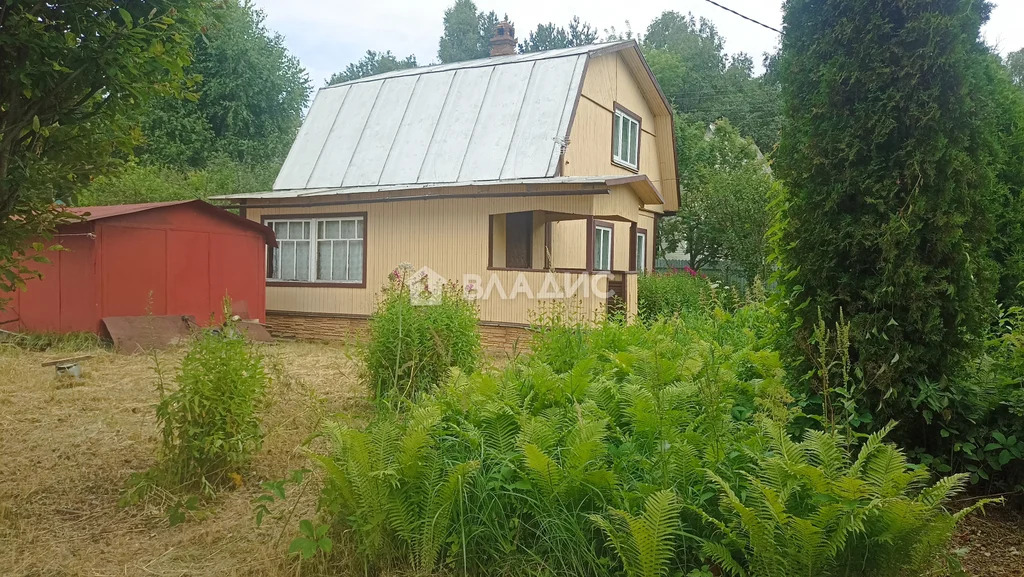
{"type": "Point", "coordinates": [660, 450]}
{"type": "Point", "coordinates": [662, 295]}
{"type": "Point", "coordinates": [211, 423]}
{"type": "Point", "coordinates": [412, 345]}
{"type": "Point", "coordinates": [975, 421]}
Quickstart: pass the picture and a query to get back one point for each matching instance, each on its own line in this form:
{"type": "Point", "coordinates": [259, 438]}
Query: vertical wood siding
{"type": "Point", "coordinates": [448, 235]}
{"type": "Point", "coordinates": [610, 80]}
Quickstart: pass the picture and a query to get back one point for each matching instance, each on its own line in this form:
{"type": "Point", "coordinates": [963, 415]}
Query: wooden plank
{"type": "Point", "coordinates": [76, 359]}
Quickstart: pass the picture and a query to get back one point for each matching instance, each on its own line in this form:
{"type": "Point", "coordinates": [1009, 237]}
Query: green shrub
{"type": "Point", "coordinates": [412, 345]}
{"type": "Point", "coordinates": [975, 421]}
{"type": "Point", "coordinates": [211, 423]}
{"type": "Point", "coordinates": [660, 450]}
{"type": "Point", "coordinates": [662, 295]}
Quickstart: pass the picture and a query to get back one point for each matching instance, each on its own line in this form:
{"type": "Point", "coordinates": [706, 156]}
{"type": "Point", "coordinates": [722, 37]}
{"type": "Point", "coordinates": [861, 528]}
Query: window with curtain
{"type": "Point", "coordinates": [321, 249]}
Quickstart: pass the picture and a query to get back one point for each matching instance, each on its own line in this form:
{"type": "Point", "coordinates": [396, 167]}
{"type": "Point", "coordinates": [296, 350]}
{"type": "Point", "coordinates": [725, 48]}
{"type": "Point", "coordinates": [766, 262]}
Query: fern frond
{"type": "Point", "coordinates": [721, 555]}
{"type": "Point", "coordinates": [943, 489]}
{"type": "Point", "coordinates": [644, 543]}
{"type": "Point", "coordinates": [873, 442]}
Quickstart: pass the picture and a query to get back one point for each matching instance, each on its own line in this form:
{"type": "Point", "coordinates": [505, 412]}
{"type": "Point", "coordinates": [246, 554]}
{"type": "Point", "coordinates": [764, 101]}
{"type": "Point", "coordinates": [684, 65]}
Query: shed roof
{"type": "Point", "coordinates": [94, 213]}
{"type": "Point", "coordinates": [494, 119]}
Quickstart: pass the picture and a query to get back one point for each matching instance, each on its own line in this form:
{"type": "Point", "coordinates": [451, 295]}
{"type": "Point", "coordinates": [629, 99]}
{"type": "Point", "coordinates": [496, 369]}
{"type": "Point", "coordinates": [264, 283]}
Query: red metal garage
{"type": "Point", "coordinates": [164, 258]}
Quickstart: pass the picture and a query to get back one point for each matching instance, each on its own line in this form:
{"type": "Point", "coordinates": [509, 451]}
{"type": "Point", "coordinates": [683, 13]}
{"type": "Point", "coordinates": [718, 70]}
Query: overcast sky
{"type": "Point", "coordinates": [326, 35]}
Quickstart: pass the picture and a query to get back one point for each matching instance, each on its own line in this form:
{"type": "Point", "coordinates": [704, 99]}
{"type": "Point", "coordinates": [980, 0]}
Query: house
{"type": "Point", "coordinates": [163, 258]}
{"type": "Point", "coordinates": [525, 177]}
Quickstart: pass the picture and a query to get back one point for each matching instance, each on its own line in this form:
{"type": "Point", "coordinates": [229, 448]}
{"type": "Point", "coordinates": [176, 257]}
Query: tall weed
{"type": "Point", "coordinates": [417, 338]}
{"type": "Point", "coordinates": [210, 422]}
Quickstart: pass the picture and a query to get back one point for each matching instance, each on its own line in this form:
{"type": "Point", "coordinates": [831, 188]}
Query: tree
{"type": "Point", "coordinates": [725, 188]}
{"type": "Point", "coordinates": [1015, 64]}
{"type": "Point", "coordinates": [70, 71]}
{"type": "Point", "coordinates": [687, 57]}
{"type": "Point", "coordinates": [467, 33]}
{"type": "Point", "coordinates": [251, 98]}
{"type": "Point", "coordinates": [884, 153]}
{"type": "Point", "coordinates": [70, 75]}
{"type": "Point", "coordinates": [549, 37]}
{"type": "Point", "coordinates": [1006, 114]}
{"type": "Point", "coordinates": [370, 64]}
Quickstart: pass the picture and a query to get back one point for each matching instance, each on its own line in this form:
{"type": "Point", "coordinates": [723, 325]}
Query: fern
{"type": "Point", "coordinates": [644, 543]}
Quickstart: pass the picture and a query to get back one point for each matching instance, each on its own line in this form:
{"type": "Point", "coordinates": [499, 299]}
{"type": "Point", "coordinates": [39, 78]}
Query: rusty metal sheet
{"type": "Point", "coordinates": [254, 331]}
{"type": "Point", "coordinates": [145, 333]}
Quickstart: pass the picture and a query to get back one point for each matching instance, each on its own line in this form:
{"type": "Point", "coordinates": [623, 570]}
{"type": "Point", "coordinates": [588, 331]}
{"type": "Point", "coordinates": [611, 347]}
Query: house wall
{"type": "Point", "coordinates": [609, 80]}
{"type": "Point", "coordinates": [646, 221]}
{"type": "Point", "coordinates": [450, 235]}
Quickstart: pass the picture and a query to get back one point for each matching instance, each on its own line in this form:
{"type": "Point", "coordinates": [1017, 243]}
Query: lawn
{"type": "Point", "coordinates": [66, 449]}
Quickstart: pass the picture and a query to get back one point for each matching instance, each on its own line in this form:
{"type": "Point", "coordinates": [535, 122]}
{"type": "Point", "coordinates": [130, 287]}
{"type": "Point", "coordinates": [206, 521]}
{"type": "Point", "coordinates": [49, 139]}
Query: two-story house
{"type": "Point", "coordinates": [527, 177]}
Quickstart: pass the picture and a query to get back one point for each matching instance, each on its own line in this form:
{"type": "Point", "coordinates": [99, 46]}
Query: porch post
{"type": "Point", "coordinates": [632, 247]}
{"type": "Point", "coordinates": [547, 243]}
{"type": "Point", "coordinates": [590, 244]}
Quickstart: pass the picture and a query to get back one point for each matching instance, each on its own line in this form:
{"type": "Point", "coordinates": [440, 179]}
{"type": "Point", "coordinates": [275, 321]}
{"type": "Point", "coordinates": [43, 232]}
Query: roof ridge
{"type": "Point", "coordinates": [485, 62]}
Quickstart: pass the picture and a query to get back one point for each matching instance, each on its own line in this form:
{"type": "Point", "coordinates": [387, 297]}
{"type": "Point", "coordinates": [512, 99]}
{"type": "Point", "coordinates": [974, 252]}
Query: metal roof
{"type": "Point", "coordinates": [640, 184]}
{"type": "Point", "coordinates": [494, 119]}
{"type": "Point", "coordinates": [90, 213]}
{"type": "Point", "coordinates": [93, 213]}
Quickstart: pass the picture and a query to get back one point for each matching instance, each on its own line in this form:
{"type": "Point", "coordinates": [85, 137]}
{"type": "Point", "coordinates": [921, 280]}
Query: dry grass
{"type": "Point", "coordinates": [66, 450]}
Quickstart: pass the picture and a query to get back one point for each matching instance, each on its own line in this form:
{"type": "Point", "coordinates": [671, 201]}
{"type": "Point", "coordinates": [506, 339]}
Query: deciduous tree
{"type": "Point", "coordinates": [70, 74]}
{"type": "Point", "coordinates": [251, 97]}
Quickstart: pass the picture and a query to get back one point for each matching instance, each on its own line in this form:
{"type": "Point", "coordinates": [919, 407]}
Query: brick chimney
{"type": "Point", "coordinates": [503, 43]}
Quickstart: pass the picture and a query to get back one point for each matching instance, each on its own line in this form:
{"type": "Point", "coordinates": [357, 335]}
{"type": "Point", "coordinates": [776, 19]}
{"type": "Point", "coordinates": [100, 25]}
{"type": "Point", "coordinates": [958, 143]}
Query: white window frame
{"type": "Point", "coordinates": [289, 244]}
{"type": "Point", "coordinates": [603, 249]}
{"type": "Point", "coordinates": [641, 251]}
{"type": "Point", "coordinates": [314, 241]}
{"type": "Point", "coordinates": [625, 153]}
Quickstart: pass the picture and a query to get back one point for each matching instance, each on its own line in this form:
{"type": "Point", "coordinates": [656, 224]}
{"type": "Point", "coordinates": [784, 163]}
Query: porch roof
{"type": "Point", "coordinates": [639, 184]}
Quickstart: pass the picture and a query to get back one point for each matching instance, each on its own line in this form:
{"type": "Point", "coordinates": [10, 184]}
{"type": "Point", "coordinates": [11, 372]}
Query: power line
{"type": "Point", "coordinates": [762, 24]}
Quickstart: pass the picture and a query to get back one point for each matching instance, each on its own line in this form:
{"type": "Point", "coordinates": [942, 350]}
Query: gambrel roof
{"type": "Point", "coordinates": [494, 119]}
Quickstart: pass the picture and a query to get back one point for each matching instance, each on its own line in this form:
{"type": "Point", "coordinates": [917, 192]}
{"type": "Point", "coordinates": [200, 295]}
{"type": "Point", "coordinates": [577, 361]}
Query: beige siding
{"type": "Point", "coordinates": [609, 81]}
{"type": "Point", "coordinates": [448, 235]}
{"type": "Point", "coordinates": [569, 244]}
{"type": "Point", "coordinates": [631, 304]}
{"type": "Point", "coordinates": [646, 221]}
{"type": "Point", "coordinates": [498, 244]}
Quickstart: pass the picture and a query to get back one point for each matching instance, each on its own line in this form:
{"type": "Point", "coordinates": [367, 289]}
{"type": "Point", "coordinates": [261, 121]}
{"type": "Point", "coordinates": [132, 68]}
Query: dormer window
{"type": "Point", "coordinates": [625, 139]}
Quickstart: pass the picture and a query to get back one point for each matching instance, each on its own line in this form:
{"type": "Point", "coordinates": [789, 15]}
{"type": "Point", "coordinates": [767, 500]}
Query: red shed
{"type": "Point", "coordinates": [162, 258]}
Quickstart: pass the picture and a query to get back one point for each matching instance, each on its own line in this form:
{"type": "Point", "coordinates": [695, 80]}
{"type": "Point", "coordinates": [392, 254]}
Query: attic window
{"type": "Point", "coordinates": [625, 139]}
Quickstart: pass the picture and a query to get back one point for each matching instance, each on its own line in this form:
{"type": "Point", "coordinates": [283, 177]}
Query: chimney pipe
{"type": "Point", "coordinates": [503, 43]}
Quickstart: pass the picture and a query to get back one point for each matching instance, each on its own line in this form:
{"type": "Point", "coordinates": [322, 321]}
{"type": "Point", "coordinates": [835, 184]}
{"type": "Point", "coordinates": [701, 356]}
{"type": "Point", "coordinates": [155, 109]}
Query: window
{"type": "Point", "coordinates": [625, 139]}
{"type": "Point", "coordinates": [290, 260]}
{"type": "Point", "coordinates": [602, 247]}
{"type": "Point", "coordinates": [339, 254]}
{"type": "Point", "coordinates": [641, 251]}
